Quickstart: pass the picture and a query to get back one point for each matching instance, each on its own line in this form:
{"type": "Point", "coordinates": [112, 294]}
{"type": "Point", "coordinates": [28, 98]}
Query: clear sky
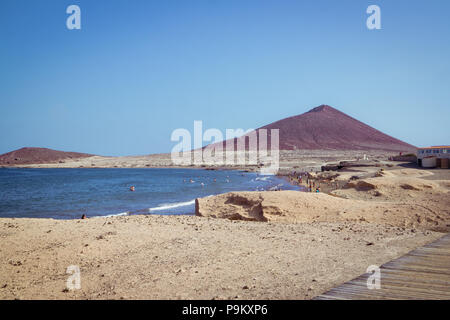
{"type": "Point", "coordinates": [137, 70]}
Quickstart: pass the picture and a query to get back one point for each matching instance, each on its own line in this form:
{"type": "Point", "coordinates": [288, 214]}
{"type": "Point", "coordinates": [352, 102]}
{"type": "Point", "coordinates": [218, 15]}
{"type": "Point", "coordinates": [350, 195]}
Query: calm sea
{"type": "Point", "coordinates": [69, 193]}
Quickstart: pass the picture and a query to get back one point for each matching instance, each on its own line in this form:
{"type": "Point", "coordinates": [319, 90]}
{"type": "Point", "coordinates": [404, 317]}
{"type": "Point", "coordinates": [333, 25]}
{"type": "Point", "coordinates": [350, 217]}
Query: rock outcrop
{"type": "Point", "coordinates": [289, 206]}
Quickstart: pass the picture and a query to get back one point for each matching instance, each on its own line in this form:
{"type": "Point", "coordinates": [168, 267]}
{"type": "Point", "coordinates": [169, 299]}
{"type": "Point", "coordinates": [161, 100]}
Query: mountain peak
{"type": "Point", "coordinates": [326, 128]}
{"type": "Point", "coordinates": [323, 107]}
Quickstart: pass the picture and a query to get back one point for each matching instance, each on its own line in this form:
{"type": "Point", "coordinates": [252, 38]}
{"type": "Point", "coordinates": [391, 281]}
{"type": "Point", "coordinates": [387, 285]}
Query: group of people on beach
{"type": "Point", "coordinates": [310, 183]}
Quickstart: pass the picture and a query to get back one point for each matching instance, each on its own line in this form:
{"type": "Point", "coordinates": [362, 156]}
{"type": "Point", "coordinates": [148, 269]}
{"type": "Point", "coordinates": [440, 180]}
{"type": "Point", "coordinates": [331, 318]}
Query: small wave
{"type": "Point", "coordinates": [267, 172]}
{"type": "Point", "coordinates": [263, 178]}
{"type": "Point", "coordinates": [172, 205]}
{"type": "Point", "coordinates": [116, 215]}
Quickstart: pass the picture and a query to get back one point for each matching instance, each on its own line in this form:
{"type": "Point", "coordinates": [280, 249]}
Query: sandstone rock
{"type": "Point", "coordinates": [360, 186]}
{"type": "Point", "coordinates": [268, 206]}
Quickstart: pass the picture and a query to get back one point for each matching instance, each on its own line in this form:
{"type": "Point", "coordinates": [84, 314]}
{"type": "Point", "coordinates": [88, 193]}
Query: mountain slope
{"type": "Point", "coordinates": [325, 128]}
{"type": "Point", "coordinates": [38, 155]}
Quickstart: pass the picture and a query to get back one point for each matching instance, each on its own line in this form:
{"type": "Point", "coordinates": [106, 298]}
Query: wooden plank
{"type": "Point", "coordinates": [418, 276]}
{"type": "Point", "coordinates": [412, 288]}
{"type": "Point", "coordinates": [423, 273]}
{"type": "Point", "coordinates": [352, 291]}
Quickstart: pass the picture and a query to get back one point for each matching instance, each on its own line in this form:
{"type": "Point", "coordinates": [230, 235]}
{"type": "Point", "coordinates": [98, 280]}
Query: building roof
{"type": "Point", "coordinates": [435, 147]}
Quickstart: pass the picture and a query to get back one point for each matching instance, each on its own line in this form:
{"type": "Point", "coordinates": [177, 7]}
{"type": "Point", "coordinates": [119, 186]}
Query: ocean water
{"type": "Point", "coordinates": [69, 193]}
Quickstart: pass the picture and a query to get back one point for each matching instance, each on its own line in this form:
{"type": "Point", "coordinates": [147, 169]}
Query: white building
{"type": "Point", "coordinates": [430, 157]}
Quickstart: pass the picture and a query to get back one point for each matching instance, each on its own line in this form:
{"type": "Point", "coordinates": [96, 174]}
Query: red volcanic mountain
{"type": "Point", "coordinates": [38, 155]}
{"type": "Point", "coordinates": [325, 128]}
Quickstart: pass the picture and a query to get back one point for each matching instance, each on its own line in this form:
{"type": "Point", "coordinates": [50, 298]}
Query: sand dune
{"type": "Point", "coordinates": [396, 198]}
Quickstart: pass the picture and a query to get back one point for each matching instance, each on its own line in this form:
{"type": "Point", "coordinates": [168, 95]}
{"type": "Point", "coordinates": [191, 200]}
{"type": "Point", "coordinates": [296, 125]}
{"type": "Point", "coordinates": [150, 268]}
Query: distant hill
{"type": "Point", "coordinates": [38, 155]}
{"type": "Point", "coordinates": [325, 128]}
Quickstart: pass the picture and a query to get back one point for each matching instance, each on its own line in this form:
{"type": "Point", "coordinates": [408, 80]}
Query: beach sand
{"type": "Point", "coordinates": [188, 257]}
{"type": "Point", "coordinates": [308, 244]}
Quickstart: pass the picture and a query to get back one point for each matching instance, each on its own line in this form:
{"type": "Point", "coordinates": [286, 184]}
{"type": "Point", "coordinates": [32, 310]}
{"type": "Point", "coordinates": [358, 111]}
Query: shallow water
{"type": "Point", "coordinates": [69, 193]}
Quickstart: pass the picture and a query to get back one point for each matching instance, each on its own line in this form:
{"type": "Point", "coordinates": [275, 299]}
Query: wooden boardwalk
{"type": "Point", "coordinates": [422, 274]}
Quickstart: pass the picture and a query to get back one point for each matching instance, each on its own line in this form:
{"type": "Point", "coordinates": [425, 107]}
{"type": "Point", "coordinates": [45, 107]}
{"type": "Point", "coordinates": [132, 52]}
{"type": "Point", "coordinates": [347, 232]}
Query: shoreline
{"type": "Point", "coordinates": [165, 204]}
{"type": "Point", "coordinates": [289, 159]}
{"type": "Point", "coordinates": [275, 245]}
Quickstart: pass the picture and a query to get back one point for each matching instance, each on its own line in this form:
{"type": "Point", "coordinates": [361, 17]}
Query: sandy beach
{"type": "Point", "coordinates": [298, 246]}
{"type": "Point", "coordinates": [224, 150]}
{"type": "Point", "coordinates": [157, 257]}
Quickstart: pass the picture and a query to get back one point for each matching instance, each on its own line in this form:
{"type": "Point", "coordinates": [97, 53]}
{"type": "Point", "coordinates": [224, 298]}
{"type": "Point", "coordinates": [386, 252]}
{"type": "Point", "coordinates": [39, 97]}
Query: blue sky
{"type": "Point", "coordinates": [137, 70]}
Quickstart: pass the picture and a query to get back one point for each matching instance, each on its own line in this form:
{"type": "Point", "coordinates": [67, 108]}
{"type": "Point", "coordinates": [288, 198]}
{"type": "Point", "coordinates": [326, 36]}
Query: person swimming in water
{"type": "Point", "coordinates": [132, 188]}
